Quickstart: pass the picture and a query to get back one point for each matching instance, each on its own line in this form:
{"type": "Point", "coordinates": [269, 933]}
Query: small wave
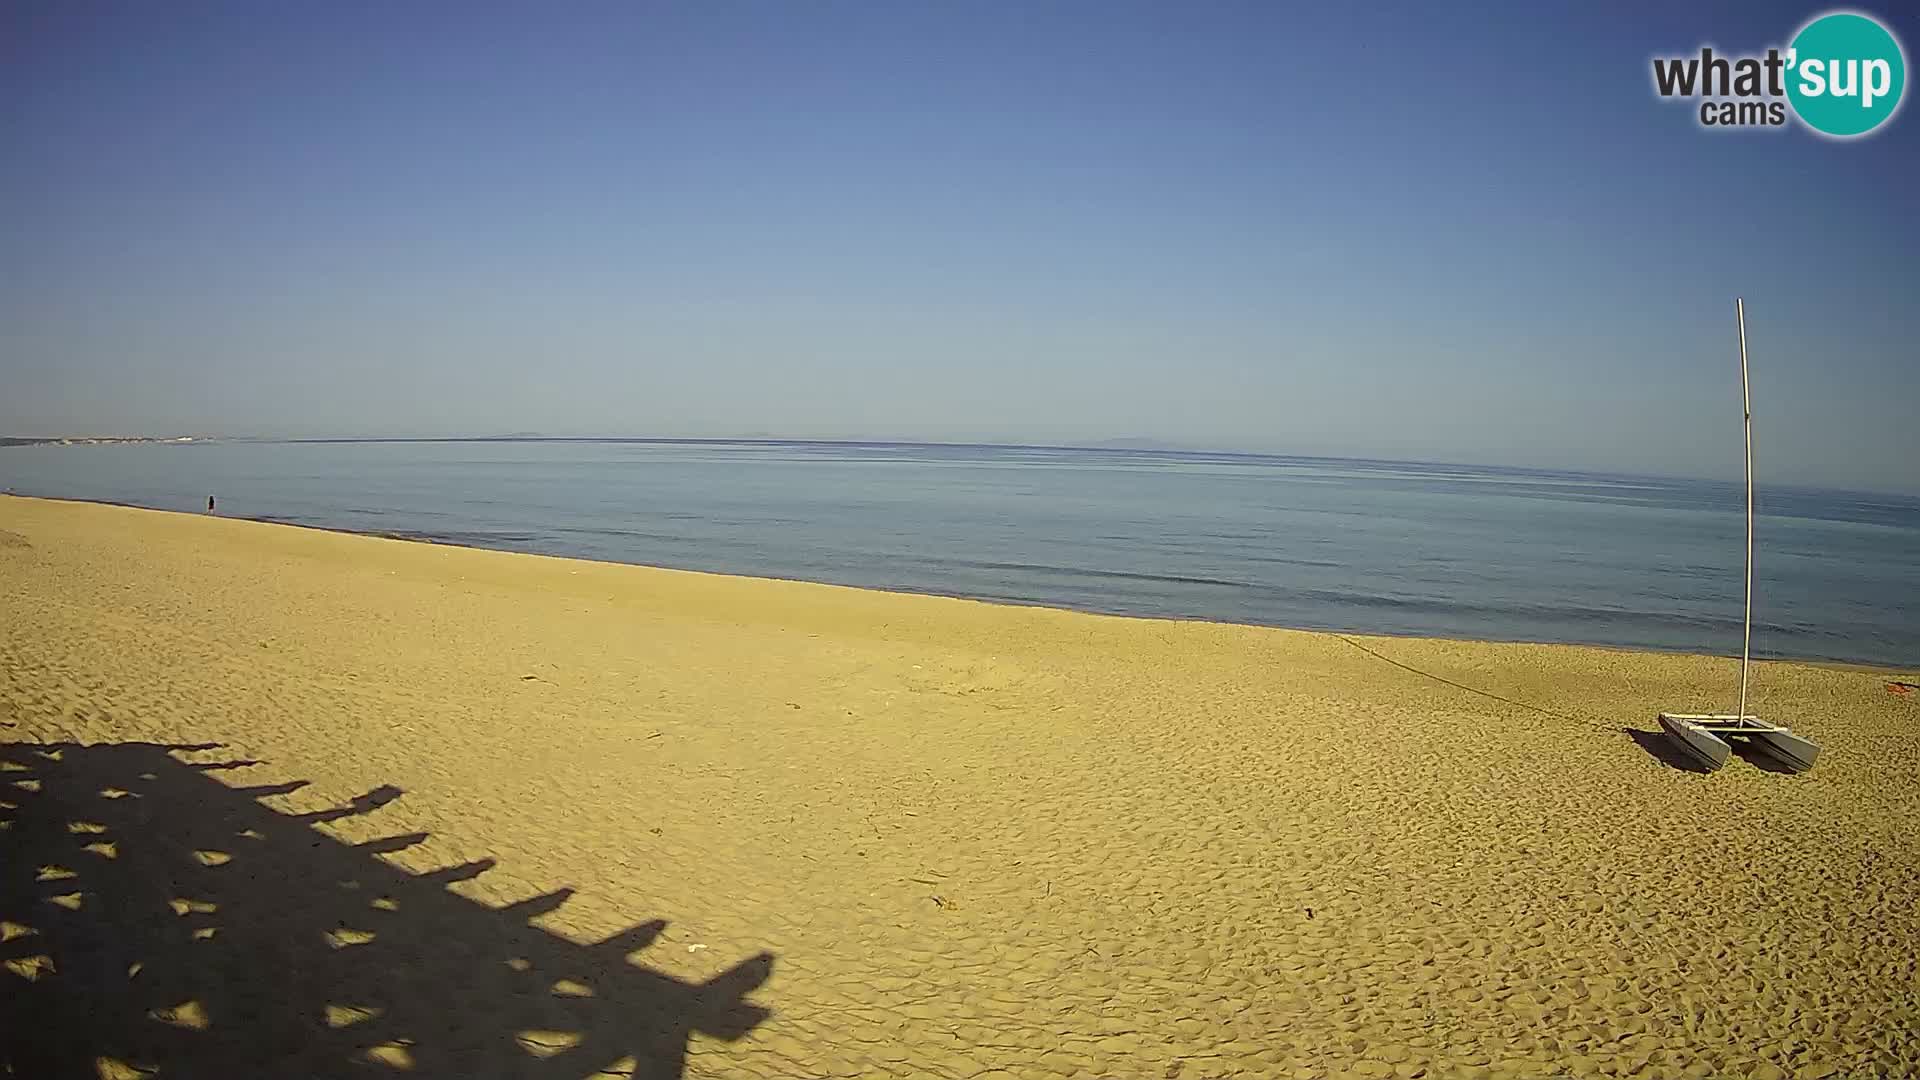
{"type": "Point", "coordinates": [1091, 572]}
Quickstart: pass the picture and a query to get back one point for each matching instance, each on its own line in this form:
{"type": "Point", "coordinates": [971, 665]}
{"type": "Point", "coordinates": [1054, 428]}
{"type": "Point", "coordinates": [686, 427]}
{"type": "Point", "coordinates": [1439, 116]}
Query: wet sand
{"type": "Point", "coordinates": [893, 835]}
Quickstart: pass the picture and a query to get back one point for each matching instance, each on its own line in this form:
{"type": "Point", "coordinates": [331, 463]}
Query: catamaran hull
{"type": "Point", "coordinates": [1788, 749]}
{"type": "Point", "coordinates": [1697, 744]}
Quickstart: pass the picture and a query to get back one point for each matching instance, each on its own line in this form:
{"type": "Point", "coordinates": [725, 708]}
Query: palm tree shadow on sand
{"type": "Point", "coordinates": [156, 920]}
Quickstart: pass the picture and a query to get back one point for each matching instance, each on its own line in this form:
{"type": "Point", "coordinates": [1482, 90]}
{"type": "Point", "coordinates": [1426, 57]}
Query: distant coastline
{"type": "Point", "coordinates": [1140, 446]}
{"type": "Point", "coordinates": [98, 440]}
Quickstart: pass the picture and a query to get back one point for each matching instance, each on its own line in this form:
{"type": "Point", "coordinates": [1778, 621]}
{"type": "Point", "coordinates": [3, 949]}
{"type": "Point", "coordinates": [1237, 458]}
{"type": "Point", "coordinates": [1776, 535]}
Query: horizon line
{"type": "Point", "coordinates": [1113, 445]}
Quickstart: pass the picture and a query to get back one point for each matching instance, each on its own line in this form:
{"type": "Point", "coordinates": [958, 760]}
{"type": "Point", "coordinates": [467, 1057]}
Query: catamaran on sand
{"type": "Point", "coordinates": [1703, 737]}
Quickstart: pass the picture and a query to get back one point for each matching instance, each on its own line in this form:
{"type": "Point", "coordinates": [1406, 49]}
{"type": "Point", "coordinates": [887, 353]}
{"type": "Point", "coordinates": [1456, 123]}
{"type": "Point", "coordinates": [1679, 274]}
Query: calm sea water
{"type": "Point", "coordinates": [1368, 546]}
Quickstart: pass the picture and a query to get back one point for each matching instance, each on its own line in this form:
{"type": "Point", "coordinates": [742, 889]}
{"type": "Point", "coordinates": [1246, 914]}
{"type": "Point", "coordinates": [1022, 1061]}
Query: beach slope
{"type": "Point", "coordinates": [281, 795]}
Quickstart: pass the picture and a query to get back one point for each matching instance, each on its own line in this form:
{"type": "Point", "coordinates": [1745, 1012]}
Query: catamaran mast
{"type": "Point", "coordinates": [1701, 737]}
{"type": "Point", "coordinates": [1746, 402]}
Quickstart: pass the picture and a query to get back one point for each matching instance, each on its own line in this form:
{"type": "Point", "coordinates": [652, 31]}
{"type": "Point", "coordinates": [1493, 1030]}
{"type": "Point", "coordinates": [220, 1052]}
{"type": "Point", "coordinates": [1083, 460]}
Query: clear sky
{"type": "Point", "coordinates": [1391, 231]}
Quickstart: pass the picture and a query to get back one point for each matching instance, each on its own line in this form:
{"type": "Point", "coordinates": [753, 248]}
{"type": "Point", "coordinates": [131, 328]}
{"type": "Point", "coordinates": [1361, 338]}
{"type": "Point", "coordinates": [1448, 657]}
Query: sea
{"type": "Point", "coordinates": [1371, 547]}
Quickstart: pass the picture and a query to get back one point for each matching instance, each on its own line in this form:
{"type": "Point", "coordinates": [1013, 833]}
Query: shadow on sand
{"type": "Point", "coordinates": [1661, 747]}
{"type": "Point", "coordinates": [154, 918]}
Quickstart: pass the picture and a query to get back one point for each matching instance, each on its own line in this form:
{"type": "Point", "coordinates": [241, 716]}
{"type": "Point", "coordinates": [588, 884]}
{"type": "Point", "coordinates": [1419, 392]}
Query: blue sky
{"type": "Point", "coordinates": [1384, 231]}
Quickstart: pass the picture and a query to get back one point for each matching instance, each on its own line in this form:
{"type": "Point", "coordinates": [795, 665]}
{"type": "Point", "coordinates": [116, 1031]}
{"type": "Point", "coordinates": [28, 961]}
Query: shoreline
{"type": "Point", "coordinates": [1835, 663]}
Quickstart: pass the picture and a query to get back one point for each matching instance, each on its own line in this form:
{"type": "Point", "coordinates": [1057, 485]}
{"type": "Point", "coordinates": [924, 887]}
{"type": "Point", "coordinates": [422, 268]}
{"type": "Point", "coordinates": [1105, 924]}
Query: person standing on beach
{"type": "Point", "coordinates": [209, 504]}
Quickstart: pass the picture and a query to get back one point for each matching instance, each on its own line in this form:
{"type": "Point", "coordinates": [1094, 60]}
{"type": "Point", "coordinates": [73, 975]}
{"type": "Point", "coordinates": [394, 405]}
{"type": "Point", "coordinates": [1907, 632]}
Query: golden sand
{"type": "Point", "coordinates": [893, 835]}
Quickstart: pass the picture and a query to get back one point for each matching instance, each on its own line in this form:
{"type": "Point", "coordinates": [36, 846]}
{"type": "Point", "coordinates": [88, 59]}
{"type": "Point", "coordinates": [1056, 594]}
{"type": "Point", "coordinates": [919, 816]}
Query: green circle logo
{"type": "Point", "coordinates": [1845, 74]}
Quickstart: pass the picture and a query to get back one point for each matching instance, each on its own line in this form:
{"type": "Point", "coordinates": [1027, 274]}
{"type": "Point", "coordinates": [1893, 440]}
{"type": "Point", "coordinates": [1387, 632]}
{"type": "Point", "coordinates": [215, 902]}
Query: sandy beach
{"type": "Point", "coordinates": [281, 801]}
